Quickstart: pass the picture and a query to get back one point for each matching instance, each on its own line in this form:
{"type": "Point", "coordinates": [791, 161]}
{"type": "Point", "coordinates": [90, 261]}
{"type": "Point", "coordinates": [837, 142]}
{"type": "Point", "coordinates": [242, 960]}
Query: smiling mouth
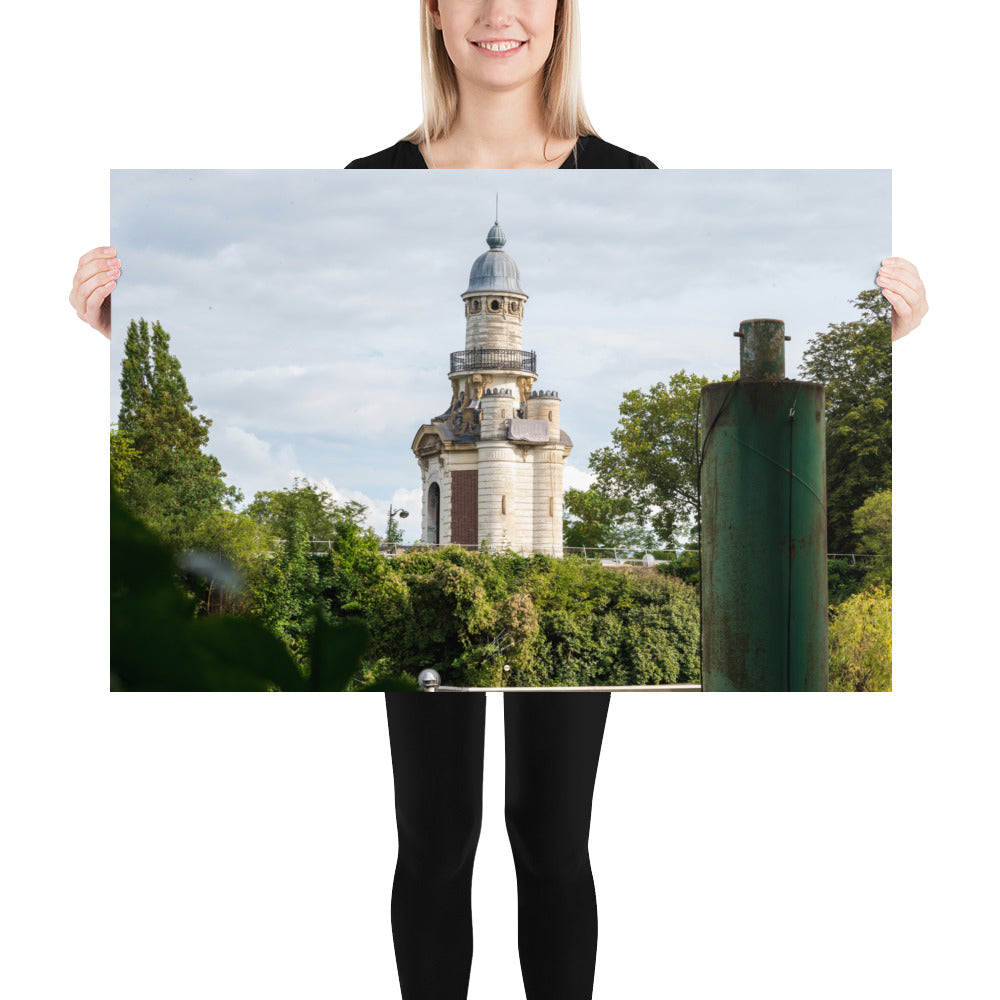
{"type": "Point", "coordinates": [499, 46]}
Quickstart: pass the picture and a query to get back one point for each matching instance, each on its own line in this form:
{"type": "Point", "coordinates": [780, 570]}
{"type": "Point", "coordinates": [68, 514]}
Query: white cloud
{"type": "Point", "coordinates": [577, 479]}
{"type": "Point", "coordinates": [359, 400]}
{"type": "Point", "coordinates": [251, 462]}
{"type": "Point", "coordinates": [377, 508]}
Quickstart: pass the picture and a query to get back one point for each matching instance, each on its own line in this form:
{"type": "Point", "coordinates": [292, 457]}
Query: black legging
{"type": "Point", "coordinates": [553, 743]}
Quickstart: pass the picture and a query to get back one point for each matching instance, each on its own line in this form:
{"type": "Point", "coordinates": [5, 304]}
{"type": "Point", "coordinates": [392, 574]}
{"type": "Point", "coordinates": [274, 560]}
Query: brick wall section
{"type": "Point", "coordinates": [465, 507]}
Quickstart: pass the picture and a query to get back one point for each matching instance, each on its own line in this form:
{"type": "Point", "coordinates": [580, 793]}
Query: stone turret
{"type": "Point", "coordinates": [544, 405]}
{"type": "Point", "coordinates": [492, 463]}
{"type": "Point", "coordinates": [497, 408]}
{"type": "Point", "coordinates": [494, 300]}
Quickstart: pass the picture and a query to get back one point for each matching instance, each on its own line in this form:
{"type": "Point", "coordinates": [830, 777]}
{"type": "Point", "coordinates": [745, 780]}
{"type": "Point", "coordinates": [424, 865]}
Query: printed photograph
{"type": "Point", "coordinates": [501, 430]}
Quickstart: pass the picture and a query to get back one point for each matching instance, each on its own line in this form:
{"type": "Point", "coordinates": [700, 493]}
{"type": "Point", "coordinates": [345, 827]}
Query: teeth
{"type": "Point", "coordinates": [498, 46]}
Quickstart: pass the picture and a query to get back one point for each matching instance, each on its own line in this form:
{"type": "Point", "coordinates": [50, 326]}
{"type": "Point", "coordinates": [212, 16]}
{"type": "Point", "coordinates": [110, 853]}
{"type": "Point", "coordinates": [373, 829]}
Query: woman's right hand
{"type": "Point", "coordinates": [95, 278]}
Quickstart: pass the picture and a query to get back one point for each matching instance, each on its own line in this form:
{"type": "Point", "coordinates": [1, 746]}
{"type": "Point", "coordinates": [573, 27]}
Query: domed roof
{"type": "Point", "coordinates": [495, 270]}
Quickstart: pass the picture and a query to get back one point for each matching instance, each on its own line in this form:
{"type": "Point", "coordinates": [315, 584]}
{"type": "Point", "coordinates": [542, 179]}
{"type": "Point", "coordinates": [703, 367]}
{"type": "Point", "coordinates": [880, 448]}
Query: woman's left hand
{"type": "Point", "coordinates": [902, 286]}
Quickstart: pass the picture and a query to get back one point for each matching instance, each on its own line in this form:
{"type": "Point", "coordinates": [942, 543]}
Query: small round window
{"type": "Point", "coordinates": [515, 306]}
{"type": "Point", "coordinates": [495, 305]}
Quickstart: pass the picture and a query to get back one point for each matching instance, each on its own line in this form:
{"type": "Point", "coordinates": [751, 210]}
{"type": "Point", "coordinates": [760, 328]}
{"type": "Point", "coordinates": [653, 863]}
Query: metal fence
{"type": "Point", "coordinates": [492, 357]}
{"type": "Point", "coordinates": [608, 556]}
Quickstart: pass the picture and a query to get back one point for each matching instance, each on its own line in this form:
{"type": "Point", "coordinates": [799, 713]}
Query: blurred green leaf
{"type": "Point", "coordinates": [335, 653]}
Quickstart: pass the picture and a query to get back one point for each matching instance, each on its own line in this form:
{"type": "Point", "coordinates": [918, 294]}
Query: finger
{"type": "Point", "coordinates": [91, 275]}
{"type": "Point", "coordinates": [900, 262]}
{"type": "Point", "coordinates": [903, 320]}
{"type": "Point", "coordinates": [96, 299]}
{"type": "Point", "coordinates": [904, 300]}
{"type": "Point", "coordinates": [898, 302]}
{"type": "Point", "coordinates": [100, 270]}
{"type": "Point", "coordinates": [97, 253]}
{"type": "Point", "coordinates": [904, 271]}
{"type": "Point", "coordinates": [900, 287]}
{"type": "Point", "coordinates": [80, 297]}
{"type": "Point", "coordinates": [98, 295]}
{"type": "Point", "coordinates": [95, 281]}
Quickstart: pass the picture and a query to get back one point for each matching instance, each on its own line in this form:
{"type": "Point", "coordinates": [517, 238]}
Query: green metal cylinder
{"type": "Point", "coordinates": [762, 349]}
{"type": "Point", "coordinates": [763, 530]}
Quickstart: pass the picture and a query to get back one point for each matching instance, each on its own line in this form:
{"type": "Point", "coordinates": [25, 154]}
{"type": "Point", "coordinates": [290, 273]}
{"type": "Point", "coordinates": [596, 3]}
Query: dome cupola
{"type": "Point", "coordinates": [495, 270]}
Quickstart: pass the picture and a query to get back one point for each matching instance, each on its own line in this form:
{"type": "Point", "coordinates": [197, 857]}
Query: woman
{"type": "Point", "coordinates": [501, 89]}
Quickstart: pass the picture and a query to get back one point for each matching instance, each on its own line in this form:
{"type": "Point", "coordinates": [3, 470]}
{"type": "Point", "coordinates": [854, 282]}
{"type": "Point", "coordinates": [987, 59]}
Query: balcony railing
{"type": "Point", "coordinates": [493, 358]}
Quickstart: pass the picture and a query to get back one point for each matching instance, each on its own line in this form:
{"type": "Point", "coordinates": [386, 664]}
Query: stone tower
{"type": "Point", "coordinates": [491, 465]}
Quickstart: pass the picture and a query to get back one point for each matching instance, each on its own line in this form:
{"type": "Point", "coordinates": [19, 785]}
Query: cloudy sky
{"type": "Point", "coordinates": [314, 311]}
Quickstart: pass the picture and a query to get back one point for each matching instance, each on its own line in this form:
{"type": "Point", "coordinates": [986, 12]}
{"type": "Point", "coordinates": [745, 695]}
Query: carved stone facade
{"type": "Point", "coordinates": [491, 465]}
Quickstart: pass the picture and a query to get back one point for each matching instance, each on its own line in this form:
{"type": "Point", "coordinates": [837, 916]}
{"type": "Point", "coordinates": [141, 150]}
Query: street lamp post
{"type": "Point", "coordinates": [393, 536]}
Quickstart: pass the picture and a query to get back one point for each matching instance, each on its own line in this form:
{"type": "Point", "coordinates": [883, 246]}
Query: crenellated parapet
{"type": "Point", "coordinates": [544, 405]}
{"type": "Point", "coordinates": [497, 408]}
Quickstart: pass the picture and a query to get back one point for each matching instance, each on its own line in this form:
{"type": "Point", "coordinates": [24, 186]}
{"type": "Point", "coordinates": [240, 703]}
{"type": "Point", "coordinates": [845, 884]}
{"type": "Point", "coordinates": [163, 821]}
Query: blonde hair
{"type": "Point", "coordinates": [565, 115]}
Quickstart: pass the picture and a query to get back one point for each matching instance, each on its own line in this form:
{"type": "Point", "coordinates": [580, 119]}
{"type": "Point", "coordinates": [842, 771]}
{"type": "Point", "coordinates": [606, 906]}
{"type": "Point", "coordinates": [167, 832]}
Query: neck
{"type": "Point", "coordinates": [499, 130]}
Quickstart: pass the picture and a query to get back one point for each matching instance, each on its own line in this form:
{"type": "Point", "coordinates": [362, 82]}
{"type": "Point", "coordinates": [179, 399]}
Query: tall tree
{"type": "Point", "coordinates": [872, 523]}
{"type": "Point", "coordinates": [652, 462]}
{"type": "Point", "coordinates": [305, 502]}
{"type": "Point", "coordinates": [300, 585]}
{"type": "Point", "coordinates": [593, 520]}
{"type": "Point", "coordinates": [170, 481]}
{"type": "Point", "coordinates": [122, 459]}
{"type": "Point", "coordinates": [854, 361]}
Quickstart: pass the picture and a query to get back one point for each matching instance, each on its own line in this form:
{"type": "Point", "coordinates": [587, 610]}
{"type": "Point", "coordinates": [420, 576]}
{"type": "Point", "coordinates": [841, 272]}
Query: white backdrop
{"type": "Point", "coordinates": [210, 846]}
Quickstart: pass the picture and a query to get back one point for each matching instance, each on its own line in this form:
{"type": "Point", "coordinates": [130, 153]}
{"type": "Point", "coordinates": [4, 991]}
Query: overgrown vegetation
{"type": "Point", "coordinates": [854, 361]}
{"type": "Point", "coordinates": [483, 618]}
{"type": "Point", "coordinates": [160, 643]}
{"type": "Point", "coordinates": [649, 473]}
{"type": "Point", "coordinates": [861, 642]}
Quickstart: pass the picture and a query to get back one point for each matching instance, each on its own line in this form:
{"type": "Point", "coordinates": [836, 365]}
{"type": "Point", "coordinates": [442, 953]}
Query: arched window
{"type": "Point", "coordinates": [433, 514]}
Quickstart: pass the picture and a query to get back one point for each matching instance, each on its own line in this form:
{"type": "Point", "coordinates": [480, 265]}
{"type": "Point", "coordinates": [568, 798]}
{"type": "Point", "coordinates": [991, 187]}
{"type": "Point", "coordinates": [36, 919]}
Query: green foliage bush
{"type": "Point", "coordinates": [861, 642]}
{"type": "Point", "coordinates": [872, 523]}
{"type": "Point", "coordinates": [484, 619]}
{"type": "Point", "coordinates": [159, 643]}
{"type": "Point", "coordinates": [686, 566]}
{"type": "Point", "coordinates": [845, 579]}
